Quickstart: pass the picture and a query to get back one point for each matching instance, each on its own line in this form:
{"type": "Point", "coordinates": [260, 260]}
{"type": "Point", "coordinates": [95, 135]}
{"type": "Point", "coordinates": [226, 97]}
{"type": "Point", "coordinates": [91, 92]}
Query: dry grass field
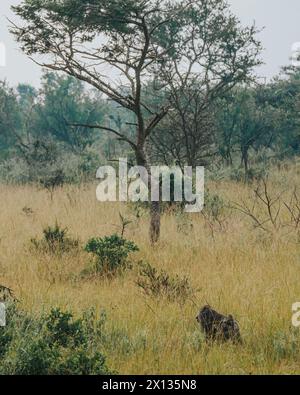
{"type": "Point", "coordinates": [235, 267]}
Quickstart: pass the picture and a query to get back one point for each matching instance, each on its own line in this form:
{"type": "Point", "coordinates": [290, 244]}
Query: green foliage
{"type": "Point", "coordinates": [44, 135]}
{"type": "Point", "coordinates": [63, 329]}
{"type": "Point", "coordinates": [42, 138]}
{"type": "Point", "coordinates": [111, 252]}
{"type": "Point", "coordinates": [41, 162]}
{"type": "Point", "coordinates": [160, 284]}
{"type": "Point", "coordinates": [156, 34]}
{"type": "Point", "coordinates": [55, 241]}
{"type": "Point", "coordinates": [55, 344]}
{"type": "Point", "coordinates": [9, 119]}
{"type": "Point", "coordinates": [246, 122]}
{"type": "Point", "coordinates": [65, 105]}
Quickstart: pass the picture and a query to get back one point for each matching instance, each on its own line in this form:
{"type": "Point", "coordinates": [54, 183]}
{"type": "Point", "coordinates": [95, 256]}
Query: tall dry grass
{"type": "Point", "coordinates": [235, 268]}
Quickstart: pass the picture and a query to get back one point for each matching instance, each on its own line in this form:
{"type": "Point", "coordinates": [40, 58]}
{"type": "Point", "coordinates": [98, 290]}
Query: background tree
{"type": "Point", "coordinates": [63, 99]}
{"type": "Point", "coordinates": [246, 120]}
{"type": "Point", "coordinates": [118, 46]}
{"type": "Point", "coordinates": [9, 119]}
{"type": "Point", "coordinates": [283, 94]}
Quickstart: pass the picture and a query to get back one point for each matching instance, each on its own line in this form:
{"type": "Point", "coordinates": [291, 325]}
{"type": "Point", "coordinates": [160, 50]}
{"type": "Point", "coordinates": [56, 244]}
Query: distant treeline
{"type": "Point", "coordinates": [47, 135]}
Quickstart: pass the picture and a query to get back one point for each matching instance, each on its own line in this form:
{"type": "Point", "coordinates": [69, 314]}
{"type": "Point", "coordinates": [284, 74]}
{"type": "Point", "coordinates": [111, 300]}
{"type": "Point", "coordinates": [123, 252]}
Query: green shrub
{"type": "Point", "coordinates": [111, 252]}
{"type": "Point", "coordinates": [54, 344]}
{"type": "Point", "coordinates": [63, 330]}
{"type": "Point", "coordinates": [160, 284]}
{"type": "Point", "coordinates": [55, 241]}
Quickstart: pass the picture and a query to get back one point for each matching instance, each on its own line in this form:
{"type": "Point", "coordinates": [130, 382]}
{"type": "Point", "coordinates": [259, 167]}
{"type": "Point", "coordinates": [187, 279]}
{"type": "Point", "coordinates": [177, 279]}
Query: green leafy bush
{"type": "Point", "coordinates": [111, 252]}
{"type": "Point", "coordinates": [55, 241]}
{"type": "Point", "coordinates": [160, 284]}
{"type": "Point", "coordinates": [55, 344]}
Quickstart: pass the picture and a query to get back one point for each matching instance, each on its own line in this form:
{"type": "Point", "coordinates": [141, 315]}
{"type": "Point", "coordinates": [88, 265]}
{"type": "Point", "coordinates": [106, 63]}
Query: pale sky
{"type": "Point", "coordinates": [281, 19]}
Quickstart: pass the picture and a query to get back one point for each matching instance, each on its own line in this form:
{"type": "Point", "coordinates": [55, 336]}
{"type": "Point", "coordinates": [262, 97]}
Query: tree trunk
{"type": "Point", "coordinates": [245, 161]}
{"type": "Point", "coordinates": [154, 229]}
{"type": "Point", "coordinates": [228, 157]}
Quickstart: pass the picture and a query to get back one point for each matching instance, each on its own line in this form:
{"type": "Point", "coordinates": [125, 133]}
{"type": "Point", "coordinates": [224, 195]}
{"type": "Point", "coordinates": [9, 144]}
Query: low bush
{"type": "Point", "coordinates": [111, 252]}
{"type": "Point", "coordinates": [55, 344]}
{"type": "Point", "coordinates": [55, 241]}
{"type": "Point", "coordinates": [160, 284]}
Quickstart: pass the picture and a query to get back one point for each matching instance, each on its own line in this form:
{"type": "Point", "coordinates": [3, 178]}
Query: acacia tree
{"type": "Point", "coordinates": [118, 46]}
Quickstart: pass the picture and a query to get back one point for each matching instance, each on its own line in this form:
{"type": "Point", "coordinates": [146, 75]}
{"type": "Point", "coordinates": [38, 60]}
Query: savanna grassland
{"type": "Point", "coordinates": [239, 269]}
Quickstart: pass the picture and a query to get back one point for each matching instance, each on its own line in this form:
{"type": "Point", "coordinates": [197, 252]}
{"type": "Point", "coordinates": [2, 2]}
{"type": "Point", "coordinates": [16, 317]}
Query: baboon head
{"type": "Point", "coordinates": [206, 316]}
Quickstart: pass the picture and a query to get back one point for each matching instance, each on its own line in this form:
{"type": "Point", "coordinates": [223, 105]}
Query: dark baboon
{"type": "Point", "coordinates": [217, 326]}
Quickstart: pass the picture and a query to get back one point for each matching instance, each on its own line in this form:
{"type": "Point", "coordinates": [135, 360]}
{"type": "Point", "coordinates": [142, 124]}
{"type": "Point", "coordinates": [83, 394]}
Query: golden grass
{"type": "Point", "coordinates": [239, 271]}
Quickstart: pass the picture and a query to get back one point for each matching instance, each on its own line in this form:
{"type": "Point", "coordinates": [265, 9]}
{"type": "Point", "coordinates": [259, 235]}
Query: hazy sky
{"type": "Point", "coordinates": [281, 19]}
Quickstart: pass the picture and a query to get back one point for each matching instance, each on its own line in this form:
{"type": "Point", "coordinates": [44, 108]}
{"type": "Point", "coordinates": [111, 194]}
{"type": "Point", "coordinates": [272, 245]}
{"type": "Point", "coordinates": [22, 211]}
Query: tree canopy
{"type": "Point", "coordinates": [121, 46]}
